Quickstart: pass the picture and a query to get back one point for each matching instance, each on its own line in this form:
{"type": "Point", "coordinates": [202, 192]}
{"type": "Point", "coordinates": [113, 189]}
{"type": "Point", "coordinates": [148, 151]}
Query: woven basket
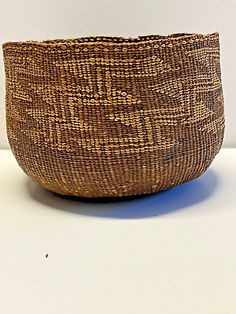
{"type": "Point", "coordinates": [112, 116]}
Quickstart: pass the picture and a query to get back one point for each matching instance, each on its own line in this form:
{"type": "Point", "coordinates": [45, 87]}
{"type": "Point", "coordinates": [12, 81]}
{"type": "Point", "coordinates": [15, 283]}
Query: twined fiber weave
{"type": "Point", "coordinates": [113, 116]}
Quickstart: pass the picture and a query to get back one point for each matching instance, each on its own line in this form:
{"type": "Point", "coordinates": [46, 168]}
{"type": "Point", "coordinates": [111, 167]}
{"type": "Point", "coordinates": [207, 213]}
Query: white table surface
{"type": "Point", "coordinates": [170, 253]}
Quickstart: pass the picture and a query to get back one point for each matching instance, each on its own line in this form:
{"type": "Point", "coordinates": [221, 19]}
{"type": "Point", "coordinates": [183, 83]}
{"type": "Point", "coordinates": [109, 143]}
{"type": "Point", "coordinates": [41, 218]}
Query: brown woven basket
{"type": "Point", "coordinates": [112, 116]}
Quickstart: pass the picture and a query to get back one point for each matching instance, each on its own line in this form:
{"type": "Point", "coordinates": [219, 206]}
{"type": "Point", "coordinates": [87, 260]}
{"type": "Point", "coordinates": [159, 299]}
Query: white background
{"type": "Point", "coordinates": [47, 19]}
{"type": "Point", "coordinates": [166, 253]}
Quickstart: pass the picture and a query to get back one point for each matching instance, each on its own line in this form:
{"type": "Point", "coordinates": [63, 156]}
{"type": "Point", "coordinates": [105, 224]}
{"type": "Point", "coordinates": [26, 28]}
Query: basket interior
{"type": "Point", "coordinates": [116, 39]}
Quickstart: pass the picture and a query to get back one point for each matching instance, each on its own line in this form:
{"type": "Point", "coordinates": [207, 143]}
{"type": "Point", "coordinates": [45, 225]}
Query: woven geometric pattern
{"type": "Point", "coordinates": [111, 116]}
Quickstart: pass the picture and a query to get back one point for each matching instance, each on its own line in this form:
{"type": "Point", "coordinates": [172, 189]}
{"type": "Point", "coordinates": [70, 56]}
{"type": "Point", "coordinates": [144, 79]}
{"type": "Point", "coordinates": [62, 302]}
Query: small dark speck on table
{"type": "Point", "coordinates": [46, 255]}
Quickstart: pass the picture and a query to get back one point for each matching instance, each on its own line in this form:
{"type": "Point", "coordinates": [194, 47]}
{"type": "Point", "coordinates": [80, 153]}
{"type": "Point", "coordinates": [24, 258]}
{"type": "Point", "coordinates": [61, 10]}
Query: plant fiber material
{"type": "Point", "coordinates": [113, 116]}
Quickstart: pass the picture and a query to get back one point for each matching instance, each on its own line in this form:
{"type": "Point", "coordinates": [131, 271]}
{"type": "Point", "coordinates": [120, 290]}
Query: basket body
{"type": "Point", "coordinates": [104, 116]}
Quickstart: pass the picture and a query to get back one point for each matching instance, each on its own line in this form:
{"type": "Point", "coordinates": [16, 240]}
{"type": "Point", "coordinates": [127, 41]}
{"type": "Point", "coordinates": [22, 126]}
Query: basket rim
{"type": "Point", "coordinates": [115, 40]}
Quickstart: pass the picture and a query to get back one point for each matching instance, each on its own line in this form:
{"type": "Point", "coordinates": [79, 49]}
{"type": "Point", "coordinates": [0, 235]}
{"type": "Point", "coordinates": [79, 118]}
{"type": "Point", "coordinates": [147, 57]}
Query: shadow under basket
{"type": "Point", "coordinates": [113, 116]}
